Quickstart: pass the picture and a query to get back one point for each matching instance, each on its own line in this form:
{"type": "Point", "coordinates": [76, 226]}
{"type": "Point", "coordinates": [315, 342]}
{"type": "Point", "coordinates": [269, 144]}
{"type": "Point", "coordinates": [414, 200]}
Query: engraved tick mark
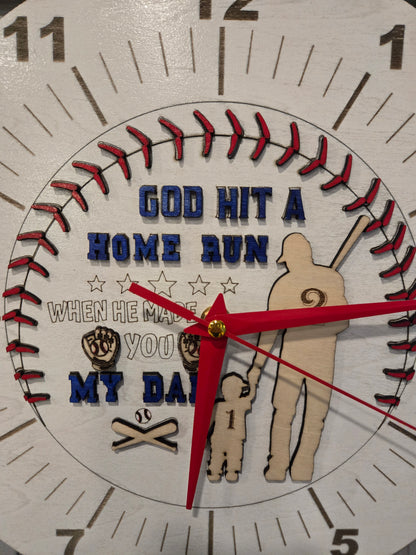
{"type": "Point", "coordinates": [19, 428]}
{"type": "Point", "coordinates": [35, 117]}
{"type": "Point", "coordinates": [221, 61]}
{"type": "Point", "coordinates": [345, 503]}
{"type": "Point", "coordinates": [281, 531]}
{"type": "Point", "coordinates": [408, 157]}
{"type": "Point", "coordinates": [75, 502]}
{"type": "Point", "coordinates": [20, 455]}
{"type": "Point", "coordinates": [191, 38]}
{"type": "Point", "coordinates": [55, 489]}
{"type": "Point", "coordinates": [136, 65]}
{"type": "Point", "coordinates": [110, 77]}
{"type": "Point", "coordinates": [304, 525]}
{"type": "Point", "coordinates": [162, 48]}
{"type": "Point", "coordinates": [118, 524]}
{"type": "Point", "coordinates": [9, 169]}
{"type": "Point", "coordinates": [366, 490]}
{"type": "Point", "coordinates": [21, 143]}
{"type": "Point", "coordinates": [385, 475]}
{"type": "Point", "coordinates": [12, 201]}
{"type": "Point", "coordinates": [61, 104]}
{"type": "Point", "coordinates": [332, 77]}
{"type": "Point", "coordinates": [400, 128]}
{"type": "Point", "coordinates": [278, 56]}
{"type": "Point", "coordinates": [164, 537]}
{"type": "Point", "coordinates": [306, 65]}
{"type": "Point", "coordinates": [37, 473]}
{"type": "Point", "coordinates": [140, 532]}
{"type": "Point", "coordinates": [352, 100]}
{"type": "Point", "coordinates": [321, 508]}
{"type": "Point", "coordinates": [249, 52]}
{"type": "Point", "coordinates": [85, 89]}
{"type": "Point", "coordinates": [402, 458]}
{"type": "Point", "coordinates": [379, 109]}
{"type": "Point", "coordinates": [100, 507]}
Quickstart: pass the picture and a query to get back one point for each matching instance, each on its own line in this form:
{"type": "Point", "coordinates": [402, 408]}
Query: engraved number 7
{"type": "Point", "coordinates": [76, 535]}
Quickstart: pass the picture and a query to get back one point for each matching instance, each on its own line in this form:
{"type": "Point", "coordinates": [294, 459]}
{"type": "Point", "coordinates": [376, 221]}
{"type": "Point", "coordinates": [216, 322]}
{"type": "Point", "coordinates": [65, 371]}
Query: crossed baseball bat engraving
{"type": "Point", "coordinates": [135, 435]}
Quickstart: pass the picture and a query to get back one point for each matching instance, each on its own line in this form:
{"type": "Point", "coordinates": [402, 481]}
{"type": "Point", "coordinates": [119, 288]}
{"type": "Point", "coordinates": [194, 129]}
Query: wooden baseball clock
{"type": "Point", "coordinates": [208, 218]}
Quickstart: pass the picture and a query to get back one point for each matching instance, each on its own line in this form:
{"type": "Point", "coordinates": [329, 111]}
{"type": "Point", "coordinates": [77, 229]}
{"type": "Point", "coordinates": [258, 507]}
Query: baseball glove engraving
{"type": "Point", "coordinates": [101, 346]}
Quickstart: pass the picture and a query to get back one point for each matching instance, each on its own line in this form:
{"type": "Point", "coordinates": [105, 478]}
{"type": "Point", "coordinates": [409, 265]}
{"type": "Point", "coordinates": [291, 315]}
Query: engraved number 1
{"type": "Point", "coordinates": [396, 37]}
{"type": "Point", "coordinates": [231, 420]}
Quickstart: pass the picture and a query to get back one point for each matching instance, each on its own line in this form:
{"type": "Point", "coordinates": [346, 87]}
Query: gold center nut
{"type": "Point", "coordinates": [216, 329]}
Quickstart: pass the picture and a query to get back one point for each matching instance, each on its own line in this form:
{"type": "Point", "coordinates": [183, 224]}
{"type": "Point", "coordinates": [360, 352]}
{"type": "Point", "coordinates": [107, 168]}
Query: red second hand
{"type": "Point", "coordinates": [319, 380]}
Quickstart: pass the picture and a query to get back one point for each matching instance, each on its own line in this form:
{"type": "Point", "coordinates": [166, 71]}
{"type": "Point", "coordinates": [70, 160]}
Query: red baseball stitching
{"type": "Point", "coordinates": [209, 132]}
{"type": "Point", "coordinates": [403, 294]}
{"type": "Point", "coordinates": [320, 160]}
{"type": "Point", "coordinates": [75, 190]}
{"type": "Point", "coordinates": [403, 321]}
{"type": "Point", "coordinates": [120, 155]}
{"type": "Point", "coordinates": [22, 374]}
{"type": "Point", "coordinates": [367, 199]}
{"type": "Point", "coordinates": [97, 174]}
{"type": "Point", "coordinates": [36, 398]}
{"type": "Point", "coordinates": [384, 219]}
{"type": "Point", "coordinates": [56, 211]}
{"type": "Point", "coordinates": [19, 347]}
{"type": "Point", "coordinates": [402, 266]}
{"type": "Point", "coordinates": [237, 136]}
{"type": "Point", "coordinates": [342, 178]}
{"type": "Point", "coordinates": [17, 316]}
{"type": "Point", "coordinates": [294, 147]}
{"type": "Point", "coordinates": [177, 136]}
{"type": "Point", "coordinates": [392, 244]}
{"type": "Point", "coordinates": [264, 140]}
{"type": "Point", "coordinates": [22, 293]}
{"type": "Point", "coordinates": [146, 144]}
{"type": "Point", "coordinates": [40, 237]}
{"type": "Point", "coordinates": [30, 263]}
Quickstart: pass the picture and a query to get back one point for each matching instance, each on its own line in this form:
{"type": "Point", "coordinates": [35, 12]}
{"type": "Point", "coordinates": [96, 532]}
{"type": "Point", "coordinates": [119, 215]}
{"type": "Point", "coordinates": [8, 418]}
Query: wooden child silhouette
{"type": "Point", "coordinates": [229, 427]}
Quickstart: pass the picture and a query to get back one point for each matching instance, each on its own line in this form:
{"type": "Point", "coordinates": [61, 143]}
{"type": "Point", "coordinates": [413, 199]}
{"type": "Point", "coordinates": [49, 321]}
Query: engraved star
{"type": "Point", "coordinates": [125, 284]}
{"type": "Point", "coordinates": [96, 284]}
{"type": "Point", "coordinates": [162, 286]}
{"type": "Point", "coordinates": [229, 286]}
{"type": "Point", "coordinates": [199, 286]}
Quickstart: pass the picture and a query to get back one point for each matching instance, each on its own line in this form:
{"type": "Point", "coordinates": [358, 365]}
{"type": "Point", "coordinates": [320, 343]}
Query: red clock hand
{"type": "Point", "coordinates": [173, 307]}
{"type": "Point", "coordinates": [255, 322]}
{"type": "Point", "coordinates": [319, 380]}
{"type": "Point", "coordinates": [211, 356]}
